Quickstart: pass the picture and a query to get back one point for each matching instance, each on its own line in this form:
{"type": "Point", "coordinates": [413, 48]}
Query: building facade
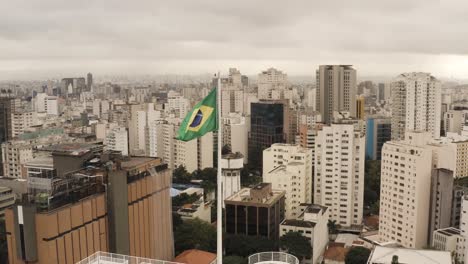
{"type": "Point", "coordinates": [416, 104]}
{"type": "Point", "coordinates": [289, 168]}
{"type": "Point", "coordinates": [339, 172]}
{"type": "Point", "coordinates": [336, 91]}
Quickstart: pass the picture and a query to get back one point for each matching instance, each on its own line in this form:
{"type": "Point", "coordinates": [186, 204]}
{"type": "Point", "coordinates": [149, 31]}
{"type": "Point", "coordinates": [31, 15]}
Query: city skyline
{"type": "Point", "coordinates": [379, 39]}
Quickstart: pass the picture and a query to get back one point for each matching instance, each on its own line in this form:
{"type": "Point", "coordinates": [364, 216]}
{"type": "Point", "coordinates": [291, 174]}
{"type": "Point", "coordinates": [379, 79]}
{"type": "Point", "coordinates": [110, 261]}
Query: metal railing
{"type": "Point", "coordinates": [273, 257]}
{"type": "Point", "coordinates": [111, 258]}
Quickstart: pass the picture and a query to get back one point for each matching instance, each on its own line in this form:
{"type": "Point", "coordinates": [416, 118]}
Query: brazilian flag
{"type": "Point", "coordinates": [202, 119]}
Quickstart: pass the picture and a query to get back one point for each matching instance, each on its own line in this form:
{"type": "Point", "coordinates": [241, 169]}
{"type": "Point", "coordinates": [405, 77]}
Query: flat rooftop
{"type": "Point", "coordinates": [243, 196]}
{"type": "Point", "coordinates": [71, 149]}
{"type": "Point", "coordinates": [449, 231]}
{"type": "Point", "coordinates": [136, 161]}
{"type": "Point", "coordinates": [41, 162]}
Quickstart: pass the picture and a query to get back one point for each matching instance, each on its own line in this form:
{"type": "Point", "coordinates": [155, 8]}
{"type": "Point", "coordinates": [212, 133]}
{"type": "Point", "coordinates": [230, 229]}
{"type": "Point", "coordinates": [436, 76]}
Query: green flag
{"type": "Point", "coordinates": [202, 119]}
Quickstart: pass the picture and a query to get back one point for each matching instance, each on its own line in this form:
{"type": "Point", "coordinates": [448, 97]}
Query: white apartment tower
{"type": "Point", "coordinates": [232, 97]}
{"type": "Point", "coordinates": [335, 91]}
{"type": "Point", "coordinates": [404, 195]}
{"type": "Point", "coordinates": [270, 81]}
{"type": "Point", "coordinates": [289, 168]}
{"type": "Point", "coordinates": [236, 133]}
{"type": "Point", "coordinates": [117, 139]}
{"type": "Point", "coordinates": [339, 172]}
{"type": "Point", "coordinates": [416, 104]}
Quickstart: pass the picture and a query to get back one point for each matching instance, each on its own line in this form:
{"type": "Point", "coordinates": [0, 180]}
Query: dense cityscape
{"type": "Point", "coordinates": [234, 132]}
{"type": "Point", "coordinates": [332, 171]}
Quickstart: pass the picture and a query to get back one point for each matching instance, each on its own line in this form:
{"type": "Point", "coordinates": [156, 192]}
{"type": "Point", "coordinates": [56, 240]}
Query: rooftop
{"type": "Point", "coordinates": [335, 252]}
{"type": "Point", "coordinates": [71, 149]}
{"type": "Point", "coordinates": [384, 255]}
{"type": "Point", "coordinates": [449, 231]}
{"type": "Point", "coordinates": [243, 196]}
{"type": "Point", "coordinates": [195, 256]}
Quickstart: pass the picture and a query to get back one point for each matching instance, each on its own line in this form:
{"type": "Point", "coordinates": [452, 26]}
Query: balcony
{"type": "Point", "coordinates": [273, 258]}
{"type": "Point", "coordinates": [111, 258]}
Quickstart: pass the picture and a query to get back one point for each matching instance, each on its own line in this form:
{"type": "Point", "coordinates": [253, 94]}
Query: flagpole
{"type": "Point", "coordinates": [219, 207]}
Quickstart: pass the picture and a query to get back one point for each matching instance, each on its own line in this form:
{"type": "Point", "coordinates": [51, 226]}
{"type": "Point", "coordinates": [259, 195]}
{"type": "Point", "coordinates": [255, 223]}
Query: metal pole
{"type": "Point", "coordinates": [219, 207]}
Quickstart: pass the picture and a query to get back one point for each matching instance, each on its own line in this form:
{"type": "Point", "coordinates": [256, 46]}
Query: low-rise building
{"type": "Point", "coordinates": [387, 255]}
{"type": "Point", "coordinates": [450, 239]}
{"type": "Point", "coordinates": [313, 224]}
{"type": "Point", "coordinates": [256, 211]}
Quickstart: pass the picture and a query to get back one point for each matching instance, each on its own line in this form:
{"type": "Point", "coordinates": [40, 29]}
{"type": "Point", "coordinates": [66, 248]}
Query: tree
{"type": "Point", "coordinates": [185, 198]}
{"type": "Point", "coordinates": [371, 182]}
{"type": "Point", "coordinates": [357, 255]}
{"type": "Point", "coordinates": [3, 243]}
{"type": "Point", "coordinates": [181, 175]}
{"type": "Point", "coordinates": [234, 260]}
{"type": "Point", "coordinates": [296, 244]}
{"type": "Point", "coordinates": [176, 221]}
{"type": "Point", "coordinates": [332, 227]}
{"type": "Point", "coordinates": [244, 246]}
{"type": "Point", "coordinates": [395, 259]}
{"type": "Point", "coordinates": [195, 234]}
{"type": "Point", "coordinates": [226, 150]}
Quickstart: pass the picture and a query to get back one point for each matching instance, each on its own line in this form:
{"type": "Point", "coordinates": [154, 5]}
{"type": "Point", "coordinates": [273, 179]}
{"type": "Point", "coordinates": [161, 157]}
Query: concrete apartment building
{"type": "Point", "coordinates": [256, 211]}
{"type": "Point", "coordinates": [450, 239]}
{"type": "Point", "coordinates": [313, 224]}
{"type": "Point", "coordinates": [117, 140]}
{"type": "Point", "coordinates": [22, 120]}
{"type": "Point", "coordinates": [404, 197]}
{"type": "Point", "coordinates": [87, 200]}
{"type": "Point", "coordinates": [270, 81]}
{"type": "Point", "coordinates": [289, 168]}
{"type": "Point", "coordinates": [336, 91]}
{"type": "Point", "coordinates": [232, 95]}
{"type": "Point", "coordinates": [339, 172]}
{"type": "Point", "coordinates": [416, 104]}
{"type": "Point", "coordinates": [236, 133]}
{"type": "Point", "coordinates": [14, 156]}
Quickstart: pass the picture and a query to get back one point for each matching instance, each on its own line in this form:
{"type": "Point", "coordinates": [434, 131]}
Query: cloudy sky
{"type": "Point", "coordinates": [381, 38]}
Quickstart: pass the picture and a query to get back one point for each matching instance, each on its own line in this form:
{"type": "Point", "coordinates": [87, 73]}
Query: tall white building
{"type": "Point", "coordinates": [22, 120]}
{"type": "Point", "coordinates": [404, 196]}
{"type": "Point", "coordinates": [416, 104]}
{"type": "Point", "coordinates": [271, 81]}
{"type": "Point", "coordinates": [335, 91]}
{"type": "Point", "coordinates": [141, 118]}
{"type": "Point", "coordinates": [236, 133]}
{"type": "Point", "coordinates": [14, 156]}
{"type": "Point", "coordinates": [117, 139]}
{"type": "Point", "coordinates": [232, 96]}
{"type": "Point", "coordinates": [289, 168]}
{"type": "Point", "coordinates": [339, 172]}
{"type": "Point", "coordinates": [177, 105]}
{"type": "Point", "coordinates": [194, 155]}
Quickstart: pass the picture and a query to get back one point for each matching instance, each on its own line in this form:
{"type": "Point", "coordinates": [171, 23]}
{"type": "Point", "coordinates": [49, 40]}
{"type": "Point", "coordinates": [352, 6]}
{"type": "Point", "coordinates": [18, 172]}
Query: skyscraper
{"type": "Point", "coordinates": [378, 131]}
{"type": "Point", "coordinates": [339, 172]}
{"type": "Point", "coordinates": [336, 91]}
{"type": "Point", "coordinates": [268, 121]}
{"type": "Point", "coordinates": [89, 79]}
{"type": "Point", "coordinates": [416, 104]}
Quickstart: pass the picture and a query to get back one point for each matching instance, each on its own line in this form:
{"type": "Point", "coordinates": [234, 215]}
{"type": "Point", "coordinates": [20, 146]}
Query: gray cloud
{"type": "Point", "coordinates": [186, 36]}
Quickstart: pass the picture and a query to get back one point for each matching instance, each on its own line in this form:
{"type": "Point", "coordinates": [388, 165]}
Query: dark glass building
{"type": "Point", "coordinates": [267, 126]}
{"type": "Point", "coordinates": [256, 211]}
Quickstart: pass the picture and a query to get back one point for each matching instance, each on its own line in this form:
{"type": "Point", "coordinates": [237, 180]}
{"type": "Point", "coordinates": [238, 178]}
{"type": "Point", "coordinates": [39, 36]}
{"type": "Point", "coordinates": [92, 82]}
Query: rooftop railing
{"type": "Point", "coordinates": [111, 258]}
{"type": "Point", "coordinates": [273, 258]}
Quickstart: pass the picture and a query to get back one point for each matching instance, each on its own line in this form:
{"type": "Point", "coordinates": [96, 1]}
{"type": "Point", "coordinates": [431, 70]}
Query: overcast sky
{"type": "Point", "coordinates": [53, 37]}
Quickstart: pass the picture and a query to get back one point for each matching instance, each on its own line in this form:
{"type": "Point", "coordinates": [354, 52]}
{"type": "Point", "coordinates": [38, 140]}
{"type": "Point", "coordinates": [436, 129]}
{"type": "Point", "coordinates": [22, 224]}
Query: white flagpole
{"type": "Point", "coordinates": [219, 207]}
